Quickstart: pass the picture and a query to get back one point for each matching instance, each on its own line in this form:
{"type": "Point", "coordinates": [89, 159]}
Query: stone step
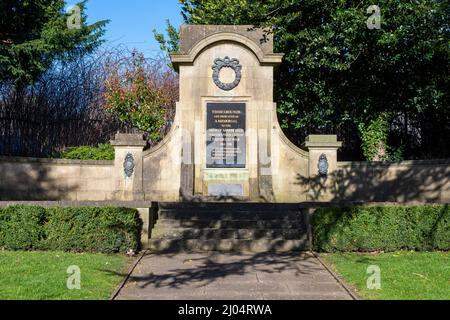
{"type": "Point", "coordinates": [210, 234]}
{"type": "Point", "coordinates": [230, 224]}
{"type": "Point", "coordinates": [228, 245]}
{"type": "Point", "coordinates": [234, 206]}
{"type": "Point", "coordinates": [229, 227]}
{"type": "Point", "coordinates": [229, 215]}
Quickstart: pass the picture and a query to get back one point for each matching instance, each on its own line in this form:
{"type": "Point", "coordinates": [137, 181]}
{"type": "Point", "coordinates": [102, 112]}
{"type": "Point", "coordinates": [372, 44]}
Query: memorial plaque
{"type": "Point", "coordinates": [226, 190]}
{"type": "Point", "coordinates": [225, 141]}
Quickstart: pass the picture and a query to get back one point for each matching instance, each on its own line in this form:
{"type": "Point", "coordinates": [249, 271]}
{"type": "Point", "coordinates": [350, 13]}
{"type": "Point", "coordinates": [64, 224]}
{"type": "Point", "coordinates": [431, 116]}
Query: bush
{"type": "Point", "coordinates": [382, 228]}
{"type": "Point", "coordinates": [21, 228]}
{"type": "Point", "coordinates": [140, 93]}
{"type": "Point", "coordinates": [83, 229]}
{"type": "Point", "coordinates": [102, 152]}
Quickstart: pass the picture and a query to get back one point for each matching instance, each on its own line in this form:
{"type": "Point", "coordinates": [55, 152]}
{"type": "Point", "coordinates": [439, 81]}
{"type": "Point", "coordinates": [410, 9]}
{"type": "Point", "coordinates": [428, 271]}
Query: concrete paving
{"type": "Point", "coordinates": [221, 276]}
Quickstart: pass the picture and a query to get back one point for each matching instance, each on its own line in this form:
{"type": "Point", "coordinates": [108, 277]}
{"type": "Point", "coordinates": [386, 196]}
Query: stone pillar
{"type": "Point", "coordinates": [128, 179]}
{"type": "Point", "coordinates": [322, 166]}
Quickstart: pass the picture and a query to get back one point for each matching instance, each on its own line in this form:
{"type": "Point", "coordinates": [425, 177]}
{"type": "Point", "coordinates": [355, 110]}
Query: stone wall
{"type": "Point", "coordinates": [74, 180]}
{"type": "Point", "coordinates": [162, 168]}
{"type": "Point", "coordinates": [289, 164]}
{"type": "Point", "coordinates": [406, 181]}
{"type": "Point", "coordinates": [50, 179]}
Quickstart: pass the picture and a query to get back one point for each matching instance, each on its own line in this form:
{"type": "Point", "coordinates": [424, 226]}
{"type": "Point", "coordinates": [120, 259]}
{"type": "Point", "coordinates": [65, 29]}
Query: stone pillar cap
{"type": "Point", "coordinates": [322, 141]}
{"type": "Point", "coordinates": [129, 140]}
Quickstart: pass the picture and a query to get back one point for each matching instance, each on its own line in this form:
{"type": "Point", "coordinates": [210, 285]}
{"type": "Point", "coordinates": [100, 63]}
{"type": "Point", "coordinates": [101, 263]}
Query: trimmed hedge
{"type": "Point", "coordinates": [81, 229]}
{"type": "Point", "coordinates": [101, 152]}
{"type": "Point", "coordinates": [382, 228]}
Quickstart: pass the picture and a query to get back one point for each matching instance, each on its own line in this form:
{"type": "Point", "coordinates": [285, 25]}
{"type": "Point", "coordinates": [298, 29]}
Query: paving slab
{"type": "Point", "coordinates": [223, 276]}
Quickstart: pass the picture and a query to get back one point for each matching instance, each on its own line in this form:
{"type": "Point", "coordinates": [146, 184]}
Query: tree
{"type": "Point", "coordinates": [341, 76]}
{"type": "Point", "coordinates": [172, 44]}
{"type": "Point", "coordinates": [63, 108]}
{"type": "Point", "coordinates": [35, 33]}
{"type": "Point", "coordinates": [141, 94]}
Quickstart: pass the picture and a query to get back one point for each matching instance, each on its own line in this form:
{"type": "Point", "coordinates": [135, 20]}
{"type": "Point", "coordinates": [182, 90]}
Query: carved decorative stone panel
{"type": "Point", "coordinates": [323, 165]}
{"type": "Point", "coordinates": [128, 165]}
{"type": "Point", "coordinates": [227, 63]}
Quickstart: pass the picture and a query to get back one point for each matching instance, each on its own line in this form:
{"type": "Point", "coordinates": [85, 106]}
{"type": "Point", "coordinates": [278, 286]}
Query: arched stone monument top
{"type": "Point", "coordinates": [195, 39]}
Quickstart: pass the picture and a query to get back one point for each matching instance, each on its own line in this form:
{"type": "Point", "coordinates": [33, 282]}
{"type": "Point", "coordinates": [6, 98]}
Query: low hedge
{"type": "Point", "coordinates": [382, 228]}
{"type": "Point", "coordinates": [101, 152]}
{"type": "Point", "coordinates": [81, 229]}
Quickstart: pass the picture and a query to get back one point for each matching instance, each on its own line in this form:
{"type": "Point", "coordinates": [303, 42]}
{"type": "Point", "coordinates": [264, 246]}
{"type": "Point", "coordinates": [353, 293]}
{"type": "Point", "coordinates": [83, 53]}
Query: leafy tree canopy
{"type": "Point", "coordinates": [341, 76]}
{"type": "Point", "coordinates": [35, 33]}
{"type": "Point", "coordinates": [140, 94]}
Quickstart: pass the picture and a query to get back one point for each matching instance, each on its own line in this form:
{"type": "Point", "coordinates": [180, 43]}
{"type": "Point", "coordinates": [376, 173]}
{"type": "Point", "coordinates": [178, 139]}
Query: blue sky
{"type": "Point", "coordinates": [132, 21]}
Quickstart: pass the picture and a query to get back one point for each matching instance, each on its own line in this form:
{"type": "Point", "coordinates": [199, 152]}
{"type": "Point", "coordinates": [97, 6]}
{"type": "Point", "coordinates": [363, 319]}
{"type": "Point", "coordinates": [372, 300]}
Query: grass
{"type": "Point", "coordinates": [43, 275]}
{"type": "Point", "coordinates": [404, 275]}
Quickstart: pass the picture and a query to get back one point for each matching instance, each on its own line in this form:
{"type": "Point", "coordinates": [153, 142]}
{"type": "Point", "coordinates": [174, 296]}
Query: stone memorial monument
{"type": "Point", "coordinates": [226, 142]}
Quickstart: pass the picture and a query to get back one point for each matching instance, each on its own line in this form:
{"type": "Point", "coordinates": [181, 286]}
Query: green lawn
{"type": "Point", "coordinates": [404, 275]}
{"type": "Point", "coordinates": [43, 275]}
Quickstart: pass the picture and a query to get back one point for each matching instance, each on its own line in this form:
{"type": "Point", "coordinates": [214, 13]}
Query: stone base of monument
{"type": "Point", "coordinates": [230, 227]}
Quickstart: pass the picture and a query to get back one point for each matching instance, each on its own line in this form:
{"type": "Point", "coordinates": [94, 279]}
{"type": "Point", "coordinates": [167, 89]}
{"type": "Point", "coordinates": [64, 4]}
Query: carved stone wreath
{"type": "Point", "coordinates": [128, 165]}
{"type": "Point", "coordinates": [323, 165]}
{"type": "Point", "coordinates": [227, 63]}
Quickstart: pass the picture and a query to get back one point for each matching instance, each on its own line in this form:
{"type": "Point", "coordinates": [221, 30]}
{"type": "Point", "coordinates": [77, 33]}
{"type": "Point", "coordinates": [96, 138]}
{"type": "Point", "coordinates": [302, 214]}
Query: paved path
{"type": "Point", "coordinates": [214, 276]}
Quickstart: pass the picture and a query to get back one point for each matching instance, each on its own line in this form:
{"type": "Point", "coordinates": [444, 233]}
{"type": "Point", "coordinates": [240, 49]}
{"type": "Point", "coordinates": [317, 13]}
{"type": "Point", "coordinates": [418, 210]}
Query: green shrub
{"type": "Point", "coordinates": [102, 152]}
{"type": "Point", "coordinates": [21, 227]}
{"type": "Point", "coordinates": [82, 229]}
{"type": "Point", "coordinates": [382, 228]}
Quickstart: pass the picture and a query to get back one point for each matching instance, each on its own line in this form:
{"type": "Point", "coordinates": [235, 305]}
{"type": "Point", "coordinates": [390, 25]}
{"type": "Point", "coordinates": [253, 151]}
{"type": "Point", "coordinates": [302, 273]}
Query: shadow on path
{"type": "Point", "coordinates": [222, 275]}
